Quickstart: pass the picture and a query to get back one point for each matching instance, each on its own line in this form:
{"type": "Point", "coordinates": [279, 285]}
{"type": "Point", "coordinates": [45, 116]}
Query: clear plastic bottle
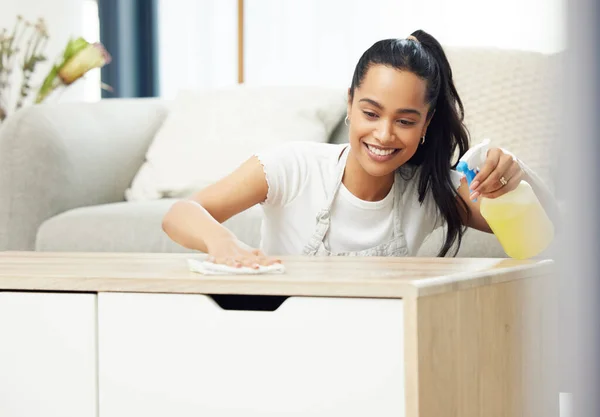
{"type": "Point", "coordinates": [517, 218]}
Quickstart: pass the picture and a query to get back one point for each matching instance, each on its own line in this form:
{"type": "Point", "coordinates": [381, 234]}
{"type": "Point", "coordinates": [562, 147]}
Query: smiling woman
{"type": "Point", "coordinates": [380, 195]}
{"type": "Point", "coordinates": [400, 87]}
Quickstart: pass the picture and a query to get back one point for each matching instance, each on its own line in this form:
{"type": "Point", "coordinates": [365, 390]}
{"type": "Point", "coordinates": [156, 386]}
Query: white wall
{"type": "Point", "coordinates": [533, 25]}
{"type": "Point", "coordinates": [197, 43]}
{"type": "Point", "coordinates": [63, 19]}
{"type": "Point", "coordinates": [320, 41]}
{"type": "Point", "coordinates": [294, 41]}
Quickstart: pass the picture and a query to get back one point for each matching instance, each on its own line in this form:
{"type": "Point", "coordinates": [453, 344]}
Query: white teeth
{"type": "Point", "coordinates": [381, 152]}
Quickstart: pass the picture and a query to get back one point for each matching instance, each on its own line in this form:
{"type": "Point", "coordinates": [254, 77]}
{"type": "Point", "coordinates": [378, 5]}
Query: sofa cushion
{"type": "Point", "coordinates": [127, 227]}
{"type": "Point", "coordinates": [209, 133]}
{"type": "Point", "coordinates": [136, 227]}
{"type": "Point", "coordinates": [475, 244]}
{"type": "Point", "coordinates": [478, 244]}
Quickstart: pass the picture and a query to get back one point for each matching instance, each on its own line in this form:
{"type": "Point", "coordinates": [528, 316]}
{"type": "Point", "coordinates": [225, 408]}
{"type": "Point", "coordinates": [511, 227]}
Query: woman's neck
{"type": "Point", "coordinates": [362, 184]}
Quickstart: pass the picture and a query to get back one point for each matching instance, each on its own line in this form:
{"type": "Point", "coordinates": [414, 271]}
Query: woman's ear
{"type": "Point", "coordinates": [424, 132]}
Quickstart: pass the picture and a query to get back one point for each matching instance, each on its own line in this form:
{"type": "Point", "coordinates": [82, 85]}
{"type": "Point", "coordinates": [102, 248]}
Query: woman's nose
{"type": "Point", "coordinates": [383, 133]}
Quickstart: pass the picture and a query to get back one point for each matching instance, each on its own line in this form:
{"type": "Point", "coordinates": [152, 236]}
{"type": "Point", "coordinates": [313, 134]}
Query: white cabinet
{"type": "Point", "coordinates": [184, 355]}
{"type": "Point", "coordinates": [47, 355]}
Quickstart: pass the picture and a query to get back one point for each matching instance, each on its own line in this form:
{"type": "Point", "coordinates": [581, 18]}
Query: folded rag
{"type": "Point", "coordinates": [210, 268]}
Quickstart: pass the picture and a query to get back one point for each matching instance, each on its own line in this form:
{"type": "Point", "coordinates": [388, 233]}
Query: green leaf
{"type": "Point", "coordinates": [48, 84]}
{"type": "Point", "coordinates": [73, 47]}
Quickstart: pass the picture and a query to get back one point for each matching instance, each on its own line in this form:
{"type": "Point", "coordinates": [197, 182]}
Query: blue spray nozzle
{"type": "Point", "coordinates": [469, 173]}
{"type": "Point", "coordinates": [472, 159]}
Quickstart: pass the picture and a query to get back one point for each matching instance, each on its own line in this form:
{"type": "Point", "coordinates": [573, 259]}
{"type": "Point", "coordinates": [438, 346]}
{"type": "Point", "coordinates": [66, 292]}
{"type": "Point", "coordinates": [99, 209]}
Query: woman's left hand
{"type": "Point", "coordinates": [500, 174]}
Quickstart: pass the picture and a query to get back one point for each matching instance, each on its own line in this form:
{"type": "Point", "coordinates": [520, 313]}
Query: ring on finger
{"type": "Point", "coordinates": [503, 181]}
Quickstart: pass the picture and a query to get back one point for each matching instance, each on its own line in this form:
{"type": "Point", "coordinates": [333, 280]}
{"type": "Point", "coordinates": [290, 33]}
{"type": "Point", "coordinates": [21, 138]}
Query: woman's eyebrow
{"type": "Point", "coordinates": [380, 107]}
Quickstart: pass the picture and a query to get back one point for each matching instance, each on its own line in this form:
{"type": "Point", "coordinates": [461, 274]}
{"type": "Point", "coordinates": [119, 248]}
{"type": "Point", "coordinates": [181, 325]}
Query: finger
{"type": "Point", "coordinates": [493, 183]}
{"type": "Point", "coordinates": [493, 157]}
{"type": "Point", "coordinates": [263, 260]}
{"type": "Point", "coordinates": [272, 261]}
{"type": "Point", "coordinates": [512, 183]}
{"type": "Point", "coordinates": [514, 171]}
{"type": "Point", "coordinates": [514, 177]}
{"type": "Point", "coordinates": [233, 263]}
{"type": "Point", "coordinates": [248, 261]}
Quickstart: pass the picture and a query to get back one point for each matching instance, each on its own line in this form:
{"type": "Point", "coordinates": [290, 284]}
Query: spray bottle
{"type": "Point", "coordinates": [517, 218]}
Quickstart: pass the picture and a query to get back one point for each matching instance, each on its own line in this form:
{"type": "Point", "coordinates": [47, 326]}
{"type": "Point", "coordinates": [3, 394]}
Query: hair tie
{"type": "Point", "coordinates": [412, 38]}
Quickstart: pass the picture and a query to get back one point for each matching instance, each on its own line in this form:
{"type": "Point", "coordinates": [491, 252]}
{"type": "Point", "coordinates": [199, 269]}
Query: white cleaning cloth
{"type": "Point", "coordinates": [210, 268]}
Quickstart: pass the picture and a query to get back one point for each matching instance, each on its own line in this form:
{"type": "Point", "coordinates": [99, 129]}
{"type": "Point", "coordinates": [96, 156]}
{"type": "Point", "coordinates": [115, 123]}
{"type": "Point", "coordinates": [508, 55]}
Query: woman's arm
{"type": "Point", "coordinates": [195, 223]}
{"type": "Point", "coordinates": [475, 220]}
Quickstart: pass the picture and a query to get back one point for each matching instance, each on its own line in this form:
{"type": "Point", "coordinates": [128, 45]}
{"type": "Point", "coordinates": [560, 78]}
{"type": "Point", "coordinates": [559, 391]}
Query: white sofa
{"type": "Point", "coordinates": [64, 168]}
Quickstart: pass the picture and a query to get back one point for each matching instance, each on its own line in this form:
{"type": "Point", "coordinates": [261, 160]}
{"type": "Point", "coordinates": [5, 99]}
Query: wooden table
{"type": "Point", "coordinates": [113, 335]}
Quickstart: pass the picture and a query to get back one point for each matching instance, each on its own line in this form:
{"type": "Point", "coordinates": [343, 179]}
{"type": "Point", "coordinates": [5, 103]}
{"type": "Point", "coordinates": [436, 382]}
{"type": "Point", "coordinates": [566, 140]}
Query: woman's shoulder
{"type": "Point", "coordinates": [295, 166]}
{"type": "Point", "coordinates": [303, 152]}
{"type": "Point", "coordinates": [320, 150]}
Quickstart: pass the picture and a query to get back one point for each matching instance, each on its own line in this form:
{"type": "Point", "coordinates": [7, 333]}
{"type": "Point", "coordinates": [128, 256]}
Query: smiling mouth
{"type": "Point", "coordinates": [380, 153]}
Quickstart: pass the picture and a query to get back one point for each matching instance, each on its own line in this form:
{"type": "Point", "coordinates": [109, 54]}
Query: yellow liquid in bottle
{"type": "Point", "coordinates": [523, 228]}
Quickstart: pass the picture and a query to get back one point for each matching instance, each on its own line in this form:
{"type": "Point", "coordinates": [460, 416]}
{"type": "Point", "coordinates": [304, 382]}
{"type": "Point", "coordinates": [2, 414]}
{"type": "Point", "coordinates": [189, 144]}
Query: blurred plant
{"type": "Point", "coordinates": [35, 38]}
{"type": "Point", "coordinates": [79, 57]}
{"type": "Point", "coordinates": [26, 44]}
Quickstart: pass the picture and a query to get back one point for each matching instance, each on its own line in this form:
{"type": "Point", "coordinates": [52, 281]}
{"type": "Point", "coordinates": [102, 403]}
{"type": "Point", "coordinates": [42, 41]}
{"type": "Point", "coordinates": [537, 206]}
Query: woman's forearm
{"type": "Point", "coordinates": [192, 226]}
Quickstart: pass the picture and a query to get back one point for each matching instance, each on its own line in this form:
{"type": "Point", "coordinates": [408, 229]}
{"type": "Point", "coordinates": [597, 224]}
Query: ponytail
{"type": "Point", "coordinates": [446, 133]}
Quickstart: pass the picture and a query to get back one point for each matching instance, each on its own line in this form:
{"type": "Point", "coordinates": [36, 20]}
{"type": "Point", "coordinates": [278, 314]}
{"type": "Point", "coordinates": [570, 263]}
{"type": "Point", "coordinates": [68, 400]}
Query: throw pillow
{"type": "Point", "coordinates": [208, 134]}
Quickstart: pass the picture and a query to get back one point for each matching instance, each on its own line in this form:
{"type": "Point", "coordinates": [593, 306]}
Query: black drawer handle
{"type": "Point", "coordinates": [248, 302]}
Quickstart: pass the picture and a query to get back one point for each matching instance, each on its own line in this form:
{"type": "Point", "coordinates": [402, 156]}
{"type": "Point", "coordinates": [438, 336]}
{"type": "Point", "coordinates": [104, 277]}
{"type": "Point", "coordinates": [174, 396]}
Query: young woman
{"type": "Point", "coordinates": [380, 195]}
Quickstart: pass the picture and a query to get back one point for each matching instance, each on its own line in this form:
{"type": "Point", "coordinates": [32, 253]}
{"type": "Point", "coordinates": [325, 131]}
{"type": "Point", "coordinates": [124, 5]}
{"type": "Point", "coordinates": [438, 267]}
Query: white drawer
{"type": "Point", "coordinates": [184, 355]}
{"type": "Point", "coordinates": [47, 355]}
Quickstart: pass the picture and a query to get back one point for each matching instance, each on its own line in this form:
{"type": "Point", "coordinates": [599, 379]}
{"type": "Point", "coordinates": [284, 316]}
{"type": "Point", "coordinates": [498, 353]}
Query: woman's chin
{"type": "Point", "coordinates": [377, 169]}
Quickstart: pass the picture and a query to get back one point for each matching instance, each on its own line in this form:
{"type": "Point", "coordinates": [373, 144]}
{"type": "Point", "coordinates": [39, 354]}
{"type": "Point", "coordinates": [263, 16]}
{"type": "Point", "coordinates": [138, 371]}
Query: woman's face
{"type": "Point", "coordinates": [388, 117]}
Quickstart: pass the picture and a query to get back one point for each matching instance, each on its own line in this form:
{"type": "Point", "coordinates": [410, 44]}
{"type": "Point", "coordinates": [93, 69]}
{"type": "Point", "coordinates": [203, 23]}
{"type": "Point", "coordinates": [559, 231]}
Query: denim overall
{"type": "Point", "coordinates": [395, 247]}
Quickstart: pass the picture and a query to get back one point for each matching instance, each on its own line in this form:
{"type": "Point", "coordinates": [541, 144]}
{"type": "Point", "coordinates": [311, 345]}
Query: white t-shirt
{"type": "Point", "coordinates": [301, 176]}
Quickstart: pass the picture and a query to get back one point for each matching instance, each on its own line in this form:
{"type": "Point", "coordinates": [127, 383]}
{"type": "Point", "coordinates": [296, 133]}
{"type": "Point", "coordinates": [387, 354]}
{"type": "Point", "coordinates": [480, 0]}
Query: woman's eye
{"type": "Point", "coordinates": [370, 115]}
{"type": "Point", "coordinates": [406, 122]}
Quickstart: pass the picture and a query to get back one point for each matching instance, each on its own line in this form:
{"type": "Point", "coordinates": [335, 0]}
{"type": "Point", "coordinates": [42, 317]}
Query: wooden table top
{"type": "Point", "coordinates": [305, 276]}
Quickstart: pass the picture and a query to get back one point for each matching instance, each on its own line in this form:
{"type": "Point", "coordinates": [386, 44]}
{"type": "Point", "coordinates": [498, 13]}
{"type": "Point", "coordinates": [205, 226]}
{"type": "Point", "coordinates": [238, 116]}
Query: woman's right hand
{"type": "Point", "coordinates": [231, 251]}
